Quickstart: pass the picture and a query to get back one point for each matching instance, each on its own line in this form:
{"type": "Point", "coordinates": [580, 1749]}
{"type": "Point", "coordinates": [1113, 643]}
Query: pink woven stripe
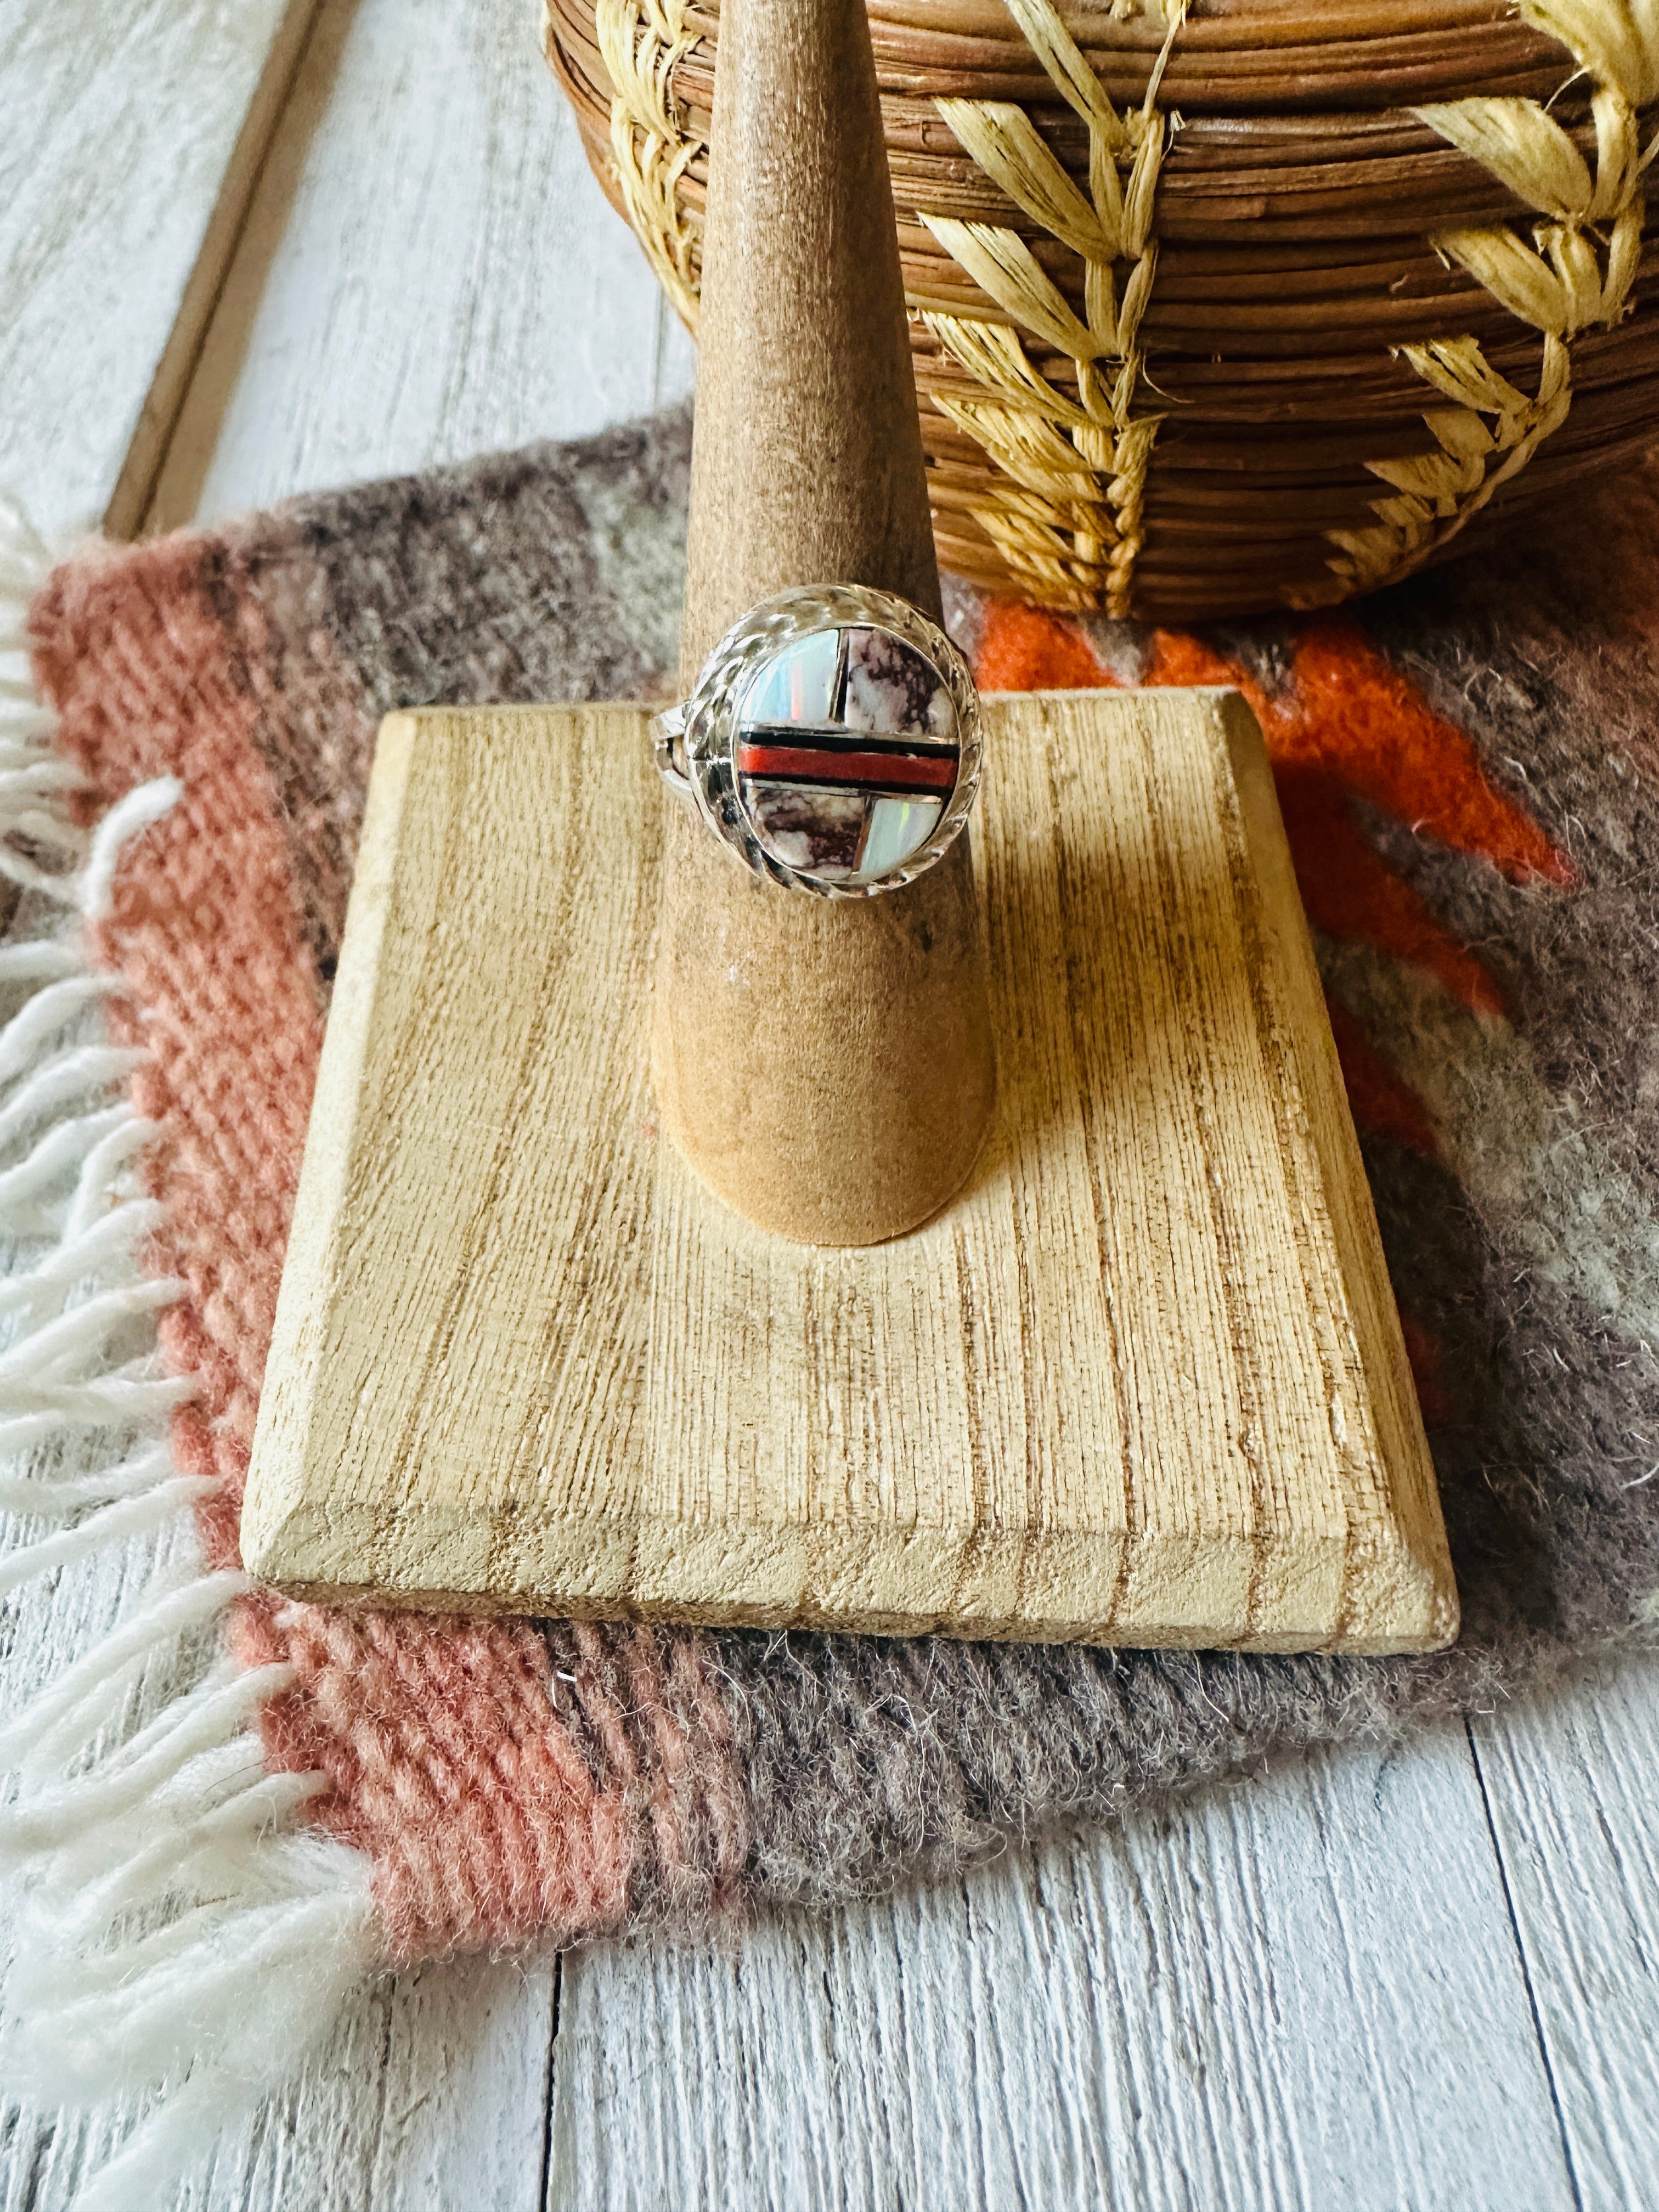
{"type": "Point", "coordinates": [446, 1759]}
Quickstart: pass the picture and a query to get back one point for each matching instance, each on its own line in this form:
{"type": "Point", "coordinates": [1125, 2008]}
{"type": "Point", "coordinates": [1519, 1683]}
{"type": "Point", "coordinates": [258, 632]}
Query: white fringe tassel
{"type": "Point", "coordinates": [181, 1934]}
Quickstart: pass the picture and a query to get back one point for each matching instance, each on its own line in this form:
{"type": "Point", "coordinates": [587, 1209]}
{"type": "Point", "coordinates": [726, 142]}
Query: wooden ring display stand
{"type": "Point", "coordinates": [825, 1066]}
{"type": "Point", "coordinates": [1137, 1377]}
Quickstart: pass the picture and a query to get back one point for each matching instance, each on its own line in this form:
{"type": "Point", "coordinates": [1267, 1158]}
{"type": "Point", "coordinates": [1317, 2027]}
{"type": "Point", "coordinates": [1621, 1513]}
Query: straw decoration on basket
{"type": "Point", "coordinates": [1575, 271]}
{"type": "Point", "coordinates": [1207, 317]}
{"type": "Point", "coordinates": [1071, 527]}
{"type": "Point", "coordinates": [641, 41]}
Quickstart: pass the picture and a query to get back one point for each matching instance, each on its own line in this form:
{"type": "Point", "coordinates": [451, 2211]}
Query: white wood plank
{"type": "Point", "coordinates": [133, 135]}
{"type": "Point", "coordinates": [45, 2157]}
{"type": "Point", "coordinates": [1569, 1781]}
{"type": "Point", "coordinates": [1084, 2001]}
{"type": "Point", "coordinates": [432, 2090]}
{"type": "Point", "coordinates": [428, 271]}
{"type": "Point", "coordinates": [430, 2096]}
{"type": "Point", "coordinates": [1302, 1991]}
{"type": "Point", "coordinates": [450, 280]}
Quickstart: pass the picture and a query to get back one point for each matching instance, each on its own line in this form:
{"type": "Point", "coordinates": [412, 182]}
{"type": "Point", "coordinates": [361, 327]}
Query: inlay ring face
{"type": "Point", "coordinates": [832, 741]}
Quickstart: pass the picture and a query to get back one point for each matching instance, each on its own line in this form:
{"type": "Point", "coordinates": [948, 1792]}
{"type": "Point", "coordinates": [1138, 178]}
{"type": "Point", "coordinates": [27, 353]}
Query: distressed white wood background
{"type": "Point", "coordinates": [1425, 1981]}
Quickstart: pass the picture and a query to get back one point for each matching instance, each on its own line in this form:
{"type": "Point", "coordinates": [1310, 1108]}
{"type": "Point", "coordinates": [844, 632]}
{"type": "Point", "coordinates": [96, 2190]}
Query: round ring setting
{"type": "Point", "coordinates": [832, 740]}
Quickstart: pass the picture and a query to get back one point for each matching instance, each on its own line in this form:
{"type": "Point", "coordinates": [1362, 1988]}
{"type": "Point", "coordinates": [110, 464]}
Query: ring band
{"type": "Point", "coordinates": [832, 741]}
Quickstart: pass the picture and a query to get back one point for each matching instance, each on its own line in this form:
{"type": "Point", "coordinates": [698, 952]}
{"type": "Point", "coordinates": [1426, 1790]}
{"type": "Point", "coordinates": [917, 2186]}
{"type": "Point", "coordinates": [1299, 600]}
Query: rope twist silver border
{"type": "Point", "coordinates": [704, 729]}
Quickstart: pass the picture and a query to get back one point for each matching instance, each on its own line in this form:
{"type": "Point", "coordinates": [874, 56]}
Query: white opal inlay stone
{"type": "Point", "coordinates": [897, 827]}
{"type": "Point", "coordinates": [799, 685]}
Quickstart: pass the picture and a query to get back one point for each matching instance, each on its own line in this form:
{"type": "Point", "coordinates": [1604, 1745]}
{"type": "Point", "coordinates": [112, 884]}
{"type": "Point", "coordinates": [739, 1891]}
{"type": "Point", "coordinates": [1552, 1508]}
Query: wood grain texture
{"type": "Point", "coordinates": [1141, 1383]}
{"type": "Point", "coordinates": [131, 136]}
{"type": "Point", "coordinates": [428, 272]}
{"type": "Point", "coordinates": [1145, 2020]}
{"type": "Point", "coordinates": [807, 468]}
{"type": "Point", "coordinates": [669, 2069]}
{"type": "Point", "coordinates": [134, 136]}
{"type": "Point", "coordinates": [1567, 1781]}
{"type": "Point", "coordinates": [882, 2057]}
{"type": "Point", "coordinates": [430, 2093]}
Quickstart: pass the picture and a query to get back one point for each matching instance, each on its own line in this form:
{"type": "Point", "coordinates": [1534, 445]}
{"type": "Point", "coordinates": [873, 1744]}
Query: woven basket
{"type": "Point", "coordinates": [1246, 305]}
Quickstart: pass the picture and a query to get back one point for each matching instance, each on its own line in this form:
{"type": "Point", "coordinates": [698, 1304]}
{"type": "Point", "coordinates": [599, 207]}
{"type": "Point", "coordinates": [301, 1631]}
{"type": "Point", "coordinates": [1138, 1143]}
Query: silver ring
{"type": "Point", "coordinates": [832, 741]}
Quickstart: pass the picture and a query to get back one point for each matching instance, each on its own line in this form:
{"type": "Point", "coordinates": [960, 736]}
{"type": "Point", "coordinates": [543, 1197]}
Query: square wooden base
{"type": "Point", "coordinates": [1143, 1383]}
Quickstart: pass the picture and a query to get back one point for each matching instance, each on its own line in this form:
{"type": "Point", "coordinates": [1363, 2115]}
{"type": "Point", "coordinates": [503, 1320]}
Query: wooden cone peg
{"type": "Point", "coordinates": [826, 1067]}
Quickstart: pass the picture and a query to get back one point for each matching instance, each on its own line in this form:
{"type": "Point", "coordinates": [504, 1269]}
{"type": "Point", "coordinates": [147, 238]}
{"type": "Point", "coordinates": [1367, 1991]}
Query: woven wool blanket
{"type": "Point", "coordinates": [1469, 773]}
